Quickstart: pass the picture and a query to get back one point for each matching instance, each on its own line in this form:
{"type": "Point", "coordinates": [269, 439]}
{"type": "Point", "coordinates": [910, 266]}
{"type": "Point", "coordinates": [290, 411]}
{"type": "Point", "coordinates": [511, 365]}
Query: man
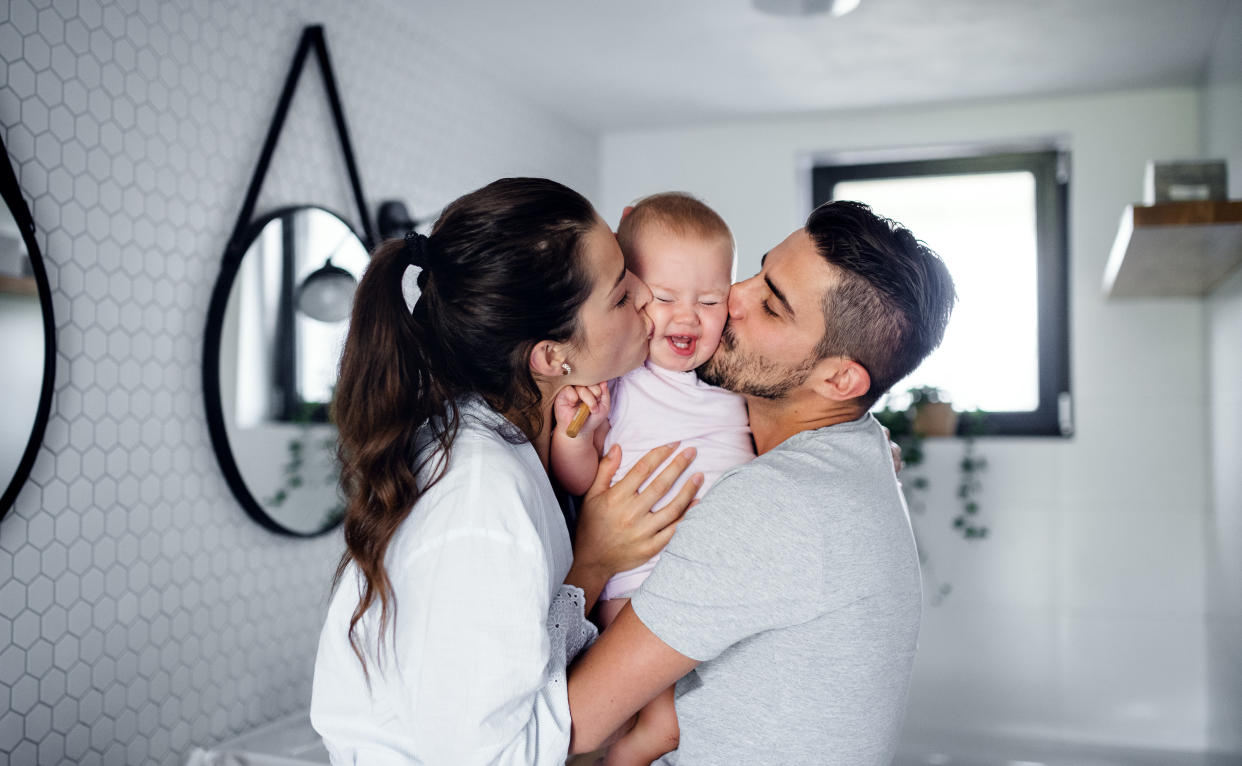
{"type": "Point", "coordinates": [791, 593]}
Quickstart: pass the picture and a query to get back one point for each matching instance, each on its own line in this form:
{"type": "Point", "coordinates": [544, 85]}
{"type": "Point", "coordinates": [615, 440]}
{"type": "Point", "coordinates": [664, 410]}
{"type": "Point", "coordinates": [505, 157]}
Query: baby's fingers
{"type": "Point", "coordinates": [567, 397]}
{"type": "Point", "coordinates": [587, 395]}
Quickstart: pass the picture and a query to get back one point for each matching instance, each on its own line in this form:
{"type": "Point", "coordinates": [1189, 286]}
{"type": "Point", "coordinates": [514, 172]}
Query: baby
{"type": "Point", "coordinates": [684, 252]}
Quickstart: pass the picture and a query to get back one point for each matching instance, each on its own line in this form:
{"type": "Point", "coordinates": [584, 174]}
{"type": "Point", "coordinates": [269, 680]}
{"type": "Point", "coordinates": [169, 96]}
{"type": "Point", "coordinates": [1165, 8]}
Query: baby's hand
{"type": "Point", "coordinates": [596, 398]}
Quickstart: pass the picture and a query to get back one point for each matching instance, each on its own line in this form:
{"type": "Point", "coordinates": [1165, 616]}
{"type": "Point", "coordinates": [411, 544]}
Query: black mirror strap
{"type": "Point", "coordinates": [312, 39]}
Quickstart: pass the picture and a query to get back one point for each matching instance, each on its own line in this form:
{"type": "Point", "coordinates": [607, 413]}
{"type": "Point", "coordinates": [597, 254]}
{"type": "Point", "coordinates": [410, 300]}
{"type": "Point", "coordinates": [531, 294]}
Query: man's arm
{"type": "Point", "coordinates": [625, 669]}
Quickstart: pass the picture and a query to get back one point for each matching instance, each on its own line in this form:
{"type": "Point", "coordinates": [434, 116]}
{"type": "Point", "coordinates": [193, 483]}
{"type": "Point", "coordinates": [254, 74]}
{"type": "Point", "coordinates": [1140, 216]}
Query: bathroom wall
{"type": "Point", "coordinates": [1081, 618]}
{"type": "Point", "coordinates": [1222, 138]}
{"type": "Point", "coordinates": [141, 612]}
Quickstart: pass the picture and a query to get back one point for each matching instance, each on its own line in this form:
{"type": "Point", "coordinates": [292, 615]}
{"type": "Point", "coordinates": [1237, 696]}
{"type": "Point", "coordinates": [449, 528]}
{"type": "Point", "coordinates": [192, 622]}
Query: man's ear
{"type": "Point", "coordinates": [841, 379]}
{"type": "Point", "coordinates": [546, 359]}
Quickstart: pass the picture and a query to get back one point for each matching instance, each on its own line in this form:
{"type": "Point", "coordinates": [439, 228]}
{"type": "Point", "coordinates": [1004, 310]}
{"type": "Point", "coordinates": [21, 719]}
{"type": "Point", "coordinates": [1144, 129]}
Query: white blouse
{"type": "Point", "coordinates": [473, 667]}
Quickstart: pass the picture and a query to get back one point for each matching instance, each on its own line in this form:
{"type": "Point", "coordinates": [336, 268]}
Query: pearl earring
{"type": "Point", "coordinates": [565, 368]}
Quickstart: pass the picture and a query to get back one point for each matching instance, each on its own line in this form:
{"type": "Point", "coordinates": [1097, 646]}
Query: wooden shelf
{"type": "Point", "coordinates": [1174, 249]}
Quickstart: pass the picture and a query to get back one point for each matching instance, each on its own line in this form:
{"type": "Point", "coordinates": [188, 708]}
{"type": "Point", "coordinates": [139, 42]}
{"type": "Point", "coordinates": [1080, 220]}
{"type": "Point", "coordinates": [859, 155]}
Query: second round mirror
{"type": "Point", "coordinates": [278, 321]}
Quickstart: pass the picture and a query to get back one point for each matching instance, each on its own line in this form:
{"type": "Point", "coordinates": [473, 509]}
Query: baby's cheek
{"type": "Point", "coordinates": [658, 315]}
{"type": "Point", "coordinates": [713, 322]}
{"type": "Point", "coordinates": [707, 346]}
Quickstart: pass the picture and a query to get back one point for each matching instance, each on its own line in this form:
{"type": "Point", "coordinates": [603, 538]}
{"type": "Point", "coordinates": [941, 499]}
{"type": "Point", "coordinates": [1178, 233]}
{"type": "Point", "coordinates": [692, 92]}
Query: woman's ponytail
{"type": "Point", "coordinates": [384, 393]}
{"type": "Point", "coordinates": [502, 270]}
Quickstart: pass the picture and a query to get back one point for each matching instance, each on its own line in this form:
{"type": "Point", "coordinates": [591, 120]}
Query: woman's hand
{"type": "Point", "coordinates": [895, 449]}
{"type": "Point", "coordinates": [617, 529]}
{"type": "Point", "coordinates": [596, 398]}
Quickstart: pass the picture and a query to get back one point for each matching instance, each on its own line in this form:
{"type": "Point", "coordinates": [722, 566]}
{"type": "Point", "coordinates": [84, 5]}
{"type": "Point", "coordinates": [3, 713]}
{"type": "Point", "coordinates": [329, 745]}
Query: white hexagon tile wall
{"type": "Point", "coordinates": [142, 613]}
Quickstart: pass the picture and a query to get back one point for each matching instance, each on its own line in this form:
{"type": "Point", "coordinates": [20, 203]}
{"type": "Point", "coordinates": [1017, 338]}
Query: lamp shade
{"type": "Point", "coordinates": [327, 293]}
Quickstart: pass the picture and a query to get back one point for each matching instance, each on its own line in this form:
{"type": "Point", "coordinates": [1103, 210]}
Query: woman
{"type": "Point", "coordinates": [459, 600]}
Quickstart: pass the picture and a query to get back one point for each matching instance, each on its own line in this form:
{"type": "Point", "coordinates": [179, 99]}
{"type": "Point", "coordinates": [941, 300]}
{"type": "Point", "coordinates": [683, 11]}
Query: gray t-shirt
{"type": "Point", "coordinates": [795, 582]}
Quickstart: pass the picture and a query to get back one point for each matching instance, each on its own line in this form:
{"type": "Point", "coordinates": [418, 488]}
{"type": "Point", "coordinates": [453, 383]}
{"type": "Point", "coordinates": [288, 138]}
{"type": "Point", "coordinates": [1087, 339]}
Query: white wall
{"type": "Point", "coordinates": [1222, 127]}
{"type": "Point", "coordinates": [1082, 616]}
{"type": "Point", "coordinates": [141, 611]}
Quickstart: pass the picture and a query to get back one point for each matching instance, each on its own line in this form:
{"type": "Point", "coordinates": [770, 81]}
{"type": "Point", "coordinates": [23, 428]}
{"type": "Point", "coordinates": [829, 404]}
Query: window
{"type": "Point", "coordinates": [999, 223]}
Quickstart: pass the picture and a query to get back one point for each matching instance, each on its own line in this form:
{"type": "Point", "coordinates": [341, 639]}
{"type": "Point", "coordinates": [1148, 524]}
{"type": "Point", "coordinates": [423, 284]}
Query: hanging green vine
{"type": "Point", "coordinates": [901, 426]}
{"type": "Point", "coordinates": [296, 452]}
{"type": "Point", "coordinates": [967, 520]}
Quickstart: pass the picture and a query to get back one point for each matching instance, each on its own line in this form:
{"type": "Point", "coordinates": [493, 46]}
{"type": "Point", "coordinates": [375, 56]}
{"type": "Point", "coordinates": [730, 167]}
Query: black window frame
{"type": "Point", "coordinates": [1050, 167]}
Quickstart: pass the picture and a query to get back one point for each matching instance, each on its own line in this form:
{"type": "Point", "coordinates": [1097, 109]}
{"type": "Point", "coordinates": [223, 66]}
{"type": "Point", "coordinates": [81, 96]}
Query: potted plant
{"type": "Point", "coordinates": [933, 414]}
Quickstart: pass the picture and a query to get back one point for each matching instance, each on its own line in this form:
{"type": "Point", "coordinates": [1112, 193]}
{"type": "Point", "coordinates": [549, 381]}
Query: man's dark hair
{"type": "Point", "coordinates": [890, 308]}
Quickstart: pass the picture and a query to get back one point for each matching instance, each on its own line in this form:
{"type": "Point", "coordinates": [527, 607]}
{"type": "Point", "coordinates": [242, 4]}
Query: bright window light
{"type": "Point", "coordinates": [983, 226]}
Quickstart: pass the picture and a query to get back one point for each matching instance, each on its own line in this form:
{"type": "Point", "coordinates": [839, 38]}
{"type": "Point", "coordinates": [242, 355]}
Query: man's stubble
{"type": "Point", "coordinates": [751, 373]}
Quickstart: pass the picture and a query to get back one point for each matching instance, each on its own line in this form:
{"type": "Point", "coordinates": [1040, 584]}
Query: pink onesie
{"type": "Point", "coordinates": [652, 406]}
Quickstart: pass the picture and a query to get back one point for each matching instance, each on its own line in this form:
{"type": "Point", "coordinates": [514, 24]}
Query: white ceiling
{"type": "Point", "coordinates": [644, 63]}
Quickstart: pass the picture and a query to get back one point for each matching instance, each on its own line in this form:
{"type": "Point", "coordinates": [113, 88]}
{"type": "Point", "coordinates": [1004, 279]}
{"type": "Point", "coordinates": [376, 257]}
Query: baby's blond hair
{"type": "Point", "coordinates": [679, 213]}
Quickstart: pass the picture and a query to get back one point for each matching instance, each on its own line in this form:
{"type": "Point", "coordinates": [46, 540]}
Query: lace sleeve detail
{"type": "Point", "coordinates": [568, 628]}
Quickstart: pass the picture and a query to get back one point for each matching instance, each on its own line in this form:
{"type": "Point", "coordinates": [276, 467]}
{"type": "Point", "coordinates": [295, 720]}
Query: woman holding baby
{"type": "Point", "coordinates": [460, 598]}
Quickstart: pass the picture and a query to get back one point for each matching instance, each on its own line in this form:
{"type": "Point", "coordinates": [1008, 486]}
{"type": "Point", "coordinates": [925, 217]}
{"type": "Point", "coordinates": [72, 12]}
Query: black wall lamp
{"type": "Point", "coordinates": [394, 219]}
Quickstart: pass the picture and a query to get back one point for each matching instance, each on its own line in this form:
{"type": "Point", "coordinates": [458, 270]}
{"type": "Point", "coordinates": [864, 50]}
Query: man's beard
{"type": "Point", "coordinates": [751, 374]}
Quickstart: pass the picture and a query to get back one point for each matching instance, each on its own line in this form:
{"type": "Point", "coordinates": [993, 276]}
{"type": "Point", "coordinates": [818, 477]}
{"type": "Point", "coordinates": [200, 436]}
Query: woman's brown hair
{"type": "Point", "coordinates": [503, 272]}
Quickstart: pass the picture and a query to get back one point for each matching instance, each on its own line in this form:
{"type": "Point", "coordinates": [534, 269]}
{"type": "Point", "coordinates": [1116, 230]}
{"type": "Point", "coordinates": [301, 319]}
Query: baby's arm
{"type": "Point", "coordinates": [575, 460]}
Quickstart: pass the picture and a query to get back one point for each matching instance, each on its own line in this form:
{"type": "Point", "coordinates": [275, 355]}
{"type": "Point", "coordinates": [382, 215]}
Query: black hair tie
{"type": "Point", "coordinates": [417, 249]}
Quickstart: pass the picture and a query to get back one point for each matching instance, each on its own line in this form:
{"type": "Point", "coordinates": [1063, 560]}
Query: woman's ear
{"type": "Point", "coordinates": [546, 359]}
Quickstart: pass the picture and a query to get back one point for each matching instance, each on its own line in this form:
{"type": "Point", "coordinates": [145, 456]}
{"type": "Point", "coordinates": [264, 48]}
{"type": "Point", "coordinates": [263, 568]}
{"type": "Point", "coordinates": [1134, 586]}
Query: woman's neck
{"type": "Point", "coordinates": [542, 441]}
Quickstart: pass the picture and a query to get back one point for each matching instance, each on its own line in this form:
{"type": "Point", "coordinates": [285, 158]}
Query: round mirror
{"type": "Point", "coordinates": [27, 341]}
{"type": "Point", "coordinates": [275, 329]}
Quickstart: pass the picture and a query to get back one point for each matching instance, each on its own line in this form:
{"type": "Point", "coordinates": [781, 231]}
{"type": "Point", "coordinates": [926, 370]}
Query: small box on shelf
{"type": "Point", "coordinates": [1185, 181]}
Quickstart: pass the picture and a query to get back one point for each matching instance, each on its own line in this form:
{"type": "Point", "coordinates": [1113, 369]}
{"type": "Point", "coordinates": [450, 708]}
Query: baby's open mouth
{"type": "Point", "coordinates": [682, 345]}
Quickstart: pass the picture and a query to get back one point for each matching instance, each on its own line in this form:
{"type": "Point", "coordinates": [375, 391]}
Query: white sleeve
{"type": "Point", "coordinates": [471, 669]}
{"type": "Point", "coordinates": [482, 682]}
{"type": "Point", "coordinates": [568, 628]}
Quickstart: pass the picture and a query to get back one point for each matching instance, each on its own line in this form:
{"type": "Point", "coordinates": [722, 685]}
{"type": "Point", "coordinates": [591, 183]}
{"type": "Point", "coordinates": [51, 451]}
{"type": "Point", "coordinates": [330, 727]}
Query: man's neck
{"type": "Point", "coordinates": [772, 421]}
